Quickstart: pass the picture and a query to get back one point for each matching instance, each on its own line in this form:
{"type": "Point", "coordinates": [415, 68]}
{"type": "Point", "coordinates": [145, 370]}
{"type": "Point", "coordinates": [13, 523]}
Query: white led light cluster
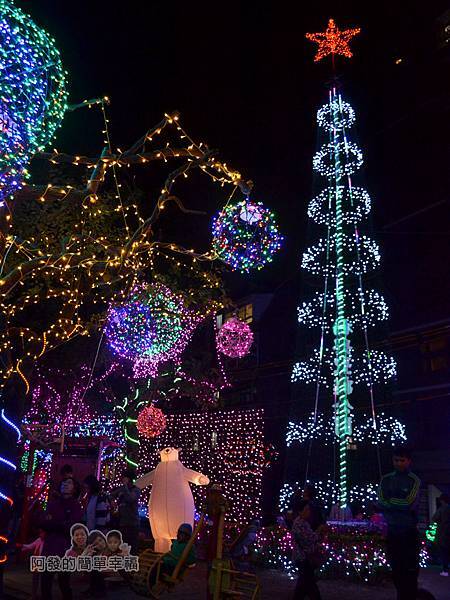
{"type": "Point", "coordinates": [355, 201]}
{"type": "Point", "coordinates": [366, 309]}
{"type": "Point", "coordinates": [363, 256]}
{"type": "Point", "coordinates": [334, 160]}
{"type": "Point", "coordinates": [336, 115]}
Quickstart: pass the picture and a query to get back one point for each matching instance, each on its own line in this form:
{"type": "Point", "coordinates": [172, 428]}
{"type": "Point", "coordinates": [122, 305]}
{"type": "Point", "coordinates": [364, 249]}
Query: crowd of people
{"type": "Point", "coordinates": [395, 513]}
{"type": "Point", "coordinates": [82, 520]}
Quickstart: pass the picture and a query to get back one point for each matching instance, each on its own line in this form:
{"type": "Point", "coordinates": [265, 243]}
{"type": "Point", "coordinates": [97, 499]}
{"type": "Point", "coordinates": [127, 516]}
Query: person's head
{"type": "Point", "coordinates": [42, 533]}
{"type": "Point", "coordinates": [79, 535]}
{"type": "Point", "coordinates": [66, 472]}
{"type": "Point", "coordinates": [98, 541]}
{"type": "Point", "coordinates": [91, 485]}
{"type": "Point", "coordinates": [444, 500]}
{"type": "Point", "coordinates": [184, 532]}
{"type": "Point", "coordinates": [68, 488]}
{"type": "Point", "coordinates": [128, 477]}
{"type": "Point", "coordinates": [401, 458]}
{"type": "Point", "coordinates": [309, 492]}
{"type": "Point", "coordinates": [114, 540]}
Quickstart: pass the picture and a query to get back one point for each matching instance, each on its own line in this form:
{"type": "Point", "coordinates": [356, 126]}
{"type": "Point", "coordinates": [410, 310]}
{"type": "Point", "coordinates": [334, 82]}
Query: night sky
{"type": "Point", "coordinates": [242, 76]}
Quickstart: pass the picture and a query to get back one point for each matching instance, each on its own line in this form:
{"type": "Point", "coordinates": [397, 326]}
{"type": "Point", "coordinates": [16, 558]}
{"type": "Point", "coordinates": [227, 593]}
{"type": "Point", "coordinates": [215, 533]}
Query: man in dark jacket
{"type": "Point", "coordinates": [398, 496]}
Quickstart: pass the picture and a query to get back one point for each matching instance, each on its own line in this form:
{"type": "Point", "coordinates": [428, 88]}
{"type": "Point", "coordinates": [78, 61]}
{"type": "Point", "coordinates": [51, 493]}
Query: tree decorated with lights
{"type": "Point", "coordinates": [72, 256]}
{"type": "Point", "coordinates": [346, 309]}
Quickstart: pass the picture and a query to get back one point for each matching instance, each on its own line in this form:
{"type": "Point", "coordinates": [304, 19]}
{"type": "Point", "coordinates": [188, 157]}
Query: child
{"type": "Point", "coordinates": [35, 548]}
{"type": "Point", "coordinates": [171, 559]}
{"type": "Point", "coordinates": [115, 545]}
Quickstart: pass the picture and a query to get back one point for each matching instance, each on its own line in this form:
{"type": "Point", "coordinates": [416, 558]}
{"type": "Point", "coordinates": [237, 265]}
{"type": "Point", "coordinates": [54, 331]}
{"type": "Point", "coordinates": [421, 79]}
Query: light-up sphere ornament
{"type": "Point", "coordinates": [131, 329]}
{"type": "Point", "coordinates": [234, 338]}
{"type": "Point", "coordinates": [33, 95]}
{"type": "Point", "coordinates": [151, 422]}
{"type": "Point", "coordinates": [245, 235]}
{"type": "Point", "coordinates": [152, 326]}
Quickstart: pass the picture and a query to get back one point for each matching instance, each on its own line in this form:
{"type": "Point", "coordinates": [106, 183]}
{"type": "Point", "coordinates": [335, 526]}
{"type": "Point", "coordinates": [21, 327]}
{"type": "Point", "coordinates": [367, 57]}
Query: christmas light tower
{"type": "Point", "coordinates": [344, 310]}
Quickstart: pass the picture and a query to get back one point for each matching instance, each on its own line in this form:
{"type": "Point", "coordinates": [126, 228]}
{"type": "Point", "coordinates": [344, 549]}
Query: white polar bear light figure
{"type": "Point", "coordinates": [171, 502]}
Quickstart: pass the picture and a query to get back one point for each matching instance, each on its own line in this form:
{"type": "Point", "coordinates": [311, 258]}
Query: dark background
{"type": "Point", "coordinates": [243, 77]}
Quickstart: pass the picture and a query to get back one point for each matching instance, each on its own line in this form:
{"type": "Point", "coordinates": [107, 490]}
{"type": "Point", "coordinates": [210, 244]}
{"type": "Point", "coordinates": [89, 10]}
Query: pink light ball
{"type": "Point", "coordinates": [234, 338]}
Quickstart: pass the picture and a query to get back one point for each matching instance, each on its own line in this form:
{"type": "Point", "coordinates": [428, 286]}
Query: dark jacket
{"type": "Point", "coordinates": [398, 496]}
{"type": "Point", "coordinates": [60, 515]}
{"type": "Point", "coordinates": [127, 499]}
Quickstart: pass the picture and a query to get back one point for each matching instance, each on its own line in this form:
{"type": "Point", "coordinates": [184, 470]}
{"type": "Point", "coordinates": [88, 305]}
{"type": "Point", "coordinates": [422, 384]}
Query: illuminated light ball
{"type": "Point", "coordinates": [151, 422]}
{"type": "Point", "coordinates": [245, 235]}
{"type": "Point", "coordinates": [33, 94]}
{"type": "Point", "coordinates": [131, 329]}
{"type": "Point", "coordinates": [234, 338]}
{"type": "Point", "coordinates": [151, 326]}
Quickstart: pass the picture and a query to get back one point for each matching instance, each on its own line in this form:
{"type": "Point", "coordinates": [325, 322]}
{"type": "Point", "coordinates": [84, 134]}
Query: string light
{"type": "Point", "coordinates": [385, 429]}
{"type": "Point", "coordinates": [234, 338]}
{"type": "Point", "coordinates": [131, 328]}
{"type": "Point", "coordinates": [344, 310]}
{"type": "Point", "coordinates": [363, 256]}
{"type": "Point", "coordinates": [245, 235]}
{"type": "Point", "coordinates": [356, 205]}
{"type": "Point", "coordinates": [9, 464]}
{"type": "Point", "coordinates": [352, 550]}
{"type": "Point", "coordinates": [325, 164]}
{"type": "Point", "coordinates": [228, 446]}
{"type": "Point", "coordinates": [33, 94]}
{"type": "Point", "coordinates": [152, 326]}
{"type": "Point", "coordinates": [327, 491]}
{"type": "Point", "coordinates": [310, 314]}
{"type": "Point", "coordinates": [98, 250]}
{"type": "Point", "coordinates": [333, 41]}
{"type": "Point", "coordinates": [326, 120]}
{"type": "Point", "coordinates": [378, 368]}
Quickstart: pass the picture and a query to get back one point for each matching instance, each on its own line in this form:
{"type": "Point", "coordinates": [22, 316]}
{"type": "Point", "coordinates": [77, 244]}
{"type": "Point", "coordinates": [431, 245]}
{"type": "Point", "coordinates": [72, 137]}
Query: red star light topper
{"type": "Point", "coordinates": [333, 41]}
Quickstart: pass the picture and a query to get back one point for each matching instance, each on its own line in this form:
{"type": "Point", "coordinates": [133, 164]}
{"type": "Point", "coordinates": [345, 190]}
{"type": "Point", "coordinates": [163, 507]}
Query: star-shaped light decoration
{"type": "Point", "coordinates": [333, 41]}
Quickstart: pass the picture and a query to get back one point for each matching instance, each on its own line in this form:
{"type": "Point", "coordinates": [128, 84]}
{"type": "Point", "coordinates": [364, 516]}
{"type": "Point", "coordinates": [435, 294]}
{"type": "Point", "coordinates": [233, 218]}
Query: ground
{"type": "Point", "coordinates": [273, 585]}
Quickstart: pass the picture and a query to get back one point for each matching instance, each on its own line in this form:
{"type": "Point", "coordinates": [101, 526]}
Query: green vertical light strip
{"type": "Point", "coordinates": [126, 421]}
{"type": "Point", "coordinates": [341, 327]}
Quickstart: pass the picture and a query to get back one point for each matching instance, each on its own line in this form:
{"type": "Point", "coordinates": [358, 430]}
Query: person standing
{"type": "Point", "coordinates": [96, 505]}
{"type": "Point", "coordinates": [127, 497]}
{"type": "Point", "coordinates": [442, 520]}
{"type": "Point", "coordinates": [306, 552]}
{"type": "Point", "coordinates": [398, 495]}
{"type": "Point", "coordinates": [62, 512]}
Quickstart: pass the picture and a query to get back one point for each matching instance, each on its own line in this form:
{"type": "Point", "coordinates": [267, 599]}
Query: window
{"type": "Point", "coordinates": [436, 355]}
{"type": "Point", "coordinates": [243, 313]}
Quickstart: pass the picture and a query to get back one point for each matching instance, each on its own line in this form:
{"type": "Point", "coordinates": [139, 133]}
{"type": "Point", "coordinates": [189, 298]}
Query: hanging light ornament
{"type": "Point", "coordinates": [131, 328]}
{"type": "Point", "coordinates": [151, 327]}
{"type": "Point", "coordinates": [33, 95]}
{"type": "Point", "coordinates": [151, 422]}
{"type": "Point", "coordinates": [234, 338]}
{"type": "Point", "coordinates": [245, 235]}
